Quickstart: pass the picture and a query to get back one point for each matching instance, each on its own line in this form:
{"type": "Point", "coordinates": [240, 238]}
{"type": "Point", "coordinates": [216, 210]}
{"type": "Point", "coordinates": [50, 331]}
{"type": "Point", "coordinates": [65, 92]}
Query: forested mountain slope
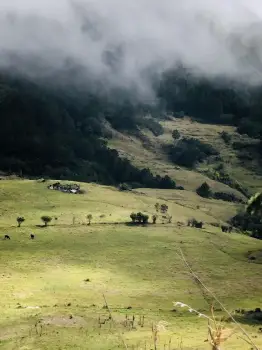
{"type": "Point", "coordinates": [61, 130]}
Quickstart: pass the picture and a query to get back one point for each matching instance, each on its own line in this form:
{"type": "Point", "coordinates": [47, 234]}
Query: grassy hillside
{"type": "Point", "coordinates": [149, 150]}
{"type": "Point", "coordinates": [52, 287]}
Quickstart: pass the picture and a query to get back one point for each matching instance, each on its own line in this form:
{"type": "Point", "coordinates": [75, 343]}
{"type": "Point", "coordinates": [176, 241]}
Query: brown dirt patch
{"type": "Point", "coordinates": [64, 321]}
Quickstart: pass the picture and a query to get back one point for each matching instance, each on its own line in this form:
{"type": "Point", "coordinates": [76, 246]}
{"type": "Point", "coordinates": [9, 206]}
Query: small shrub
{"type": "Point", "coordinates": [46, 219]}
{"type": "Point", "coordinates": [164, 208]}
{"type": "Point", "coordinates": [154, 218]}
{"type": "Point", "coordinates": [20, 220]}
{"type": "Point", "coordinates": [175, 134]}
{"type": "Point", "coordinates": [125, 187]}
{"type": "Point", "coordinates": [204, 190]}
{"type": "Point", "coordinates": [157, 207]}
{"type": "Point", "coordinates": [194, 223]}
{"type": "Point", "coordinates": [228, 197]}
{"type": "Point", "coordinates": [169, 219]}
{"type": "Point", "coordinates": [226, 137]}
{"type": "Point", "coordinates": [89, 218]}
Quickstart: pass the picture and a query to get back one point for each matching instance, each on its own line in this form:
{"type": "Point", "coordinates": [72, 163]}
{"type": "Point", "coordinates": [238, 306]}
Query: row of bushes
{"type": "Point", "coordinates": [221, 176]}
{"type": "Point", "coordinates": [205, 191]}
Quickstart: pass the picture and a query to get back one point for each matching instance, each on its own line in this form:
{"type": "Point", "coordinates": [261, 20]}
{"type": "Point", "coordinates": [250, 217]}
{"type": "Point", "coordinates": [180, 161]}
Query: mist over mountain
{"type": "Point", "coordinates": [125, 44]}
{"type": "Point", "coordinates": [68, 68]}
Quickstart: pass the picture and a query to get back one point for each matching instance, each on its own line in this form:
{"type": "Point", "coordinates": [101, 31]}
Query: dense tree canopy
{"type": "Point", "coordinates": [214, 101]}
{"type": "Point", "coordinates": [60, 133]}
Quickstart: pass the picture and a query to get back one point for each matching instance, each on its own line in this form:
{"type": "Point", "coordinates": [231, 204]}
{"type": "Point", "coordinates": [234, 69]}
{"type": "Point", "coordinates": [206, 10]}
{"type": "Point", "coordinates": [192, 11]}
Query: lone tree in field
{"type": "Point", "coordinates": [204, 190]}
{"type": "Point", "coordinates": [139, 218]}
{"type": "Point", "coordinates": [20, 220]}
{"type": "Point", "coordinates": [89, 218]}
{"type": "Point", "coordinates": [46, 219]}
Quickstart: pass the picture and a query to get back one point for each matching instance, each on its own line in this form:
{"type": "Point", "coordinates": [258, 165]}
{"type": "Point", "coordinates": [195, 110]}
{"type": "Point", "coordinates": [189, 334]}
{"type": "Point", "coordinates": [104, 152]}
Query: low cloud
{"type": "Point", "coordinates": [122, 43]}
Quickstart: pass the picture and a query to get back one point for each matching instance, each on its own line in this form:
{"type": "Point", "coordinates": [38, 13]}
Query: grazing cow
{"type": "Point", "coordinates": [32, 236]}
{"type": "Point", "coordinates": [226, 228]}
{"type": "Point", "coordinates": [7, 237]}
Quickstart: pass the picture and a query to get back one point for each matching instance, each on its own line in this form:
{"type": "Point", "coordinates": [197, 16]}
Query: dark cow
{"type": "Point", "coordinates": [32, 236]}
{"type": "Point", "coordinates": [226, 228]}
{"type": "Point", "coordinates": [7, 237]}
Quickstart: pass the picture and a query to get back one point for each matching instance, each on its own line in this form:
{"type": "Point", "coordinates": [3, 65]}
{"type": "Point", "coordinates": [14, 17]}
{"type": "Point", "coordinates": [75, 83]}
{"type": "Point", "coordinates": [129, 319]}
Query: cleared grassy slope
{"type": "Point", "coordinates": [134, 267]}
{"type": "Point", "coordinates": [150, 152]}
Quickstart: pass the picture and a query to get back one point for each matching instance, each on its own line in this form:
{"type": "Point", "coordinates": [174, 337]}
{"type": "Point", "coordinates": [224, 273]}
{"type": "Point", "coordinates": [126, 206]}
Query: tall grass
{"type": "Point", "coordinates": [217, 334]}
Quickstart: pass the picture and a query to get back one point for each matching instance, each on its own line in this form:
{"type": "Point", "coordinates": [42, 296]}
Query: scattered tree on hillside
{"type": "Point", "coordinates": [89, 218]}
{"type": "Point", "coordinates": [145, 219]}
{"type": "Point", "coordinates": [225, 136]}
{"type": "Point", "coordinates": [175, 134]}
{"type": "Point", "coordinates": [163, 208]}
{"type": "Point", "coordinates": [204, 190]}
{"type": "Point", "coordinates": [169, 219]}
{"type": "Point", "coordinates": [20, 220]}
{"type": "Point", "coordinates": [192, 222]}
{"type": "Point", "coordinates": [154, 218]}
{"type": "Point", "coordinates": [157, 206]}
{"type": "Point", "coordinates": [133, 217]}
{"type": "Point", "coordinates": [46, 219]}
